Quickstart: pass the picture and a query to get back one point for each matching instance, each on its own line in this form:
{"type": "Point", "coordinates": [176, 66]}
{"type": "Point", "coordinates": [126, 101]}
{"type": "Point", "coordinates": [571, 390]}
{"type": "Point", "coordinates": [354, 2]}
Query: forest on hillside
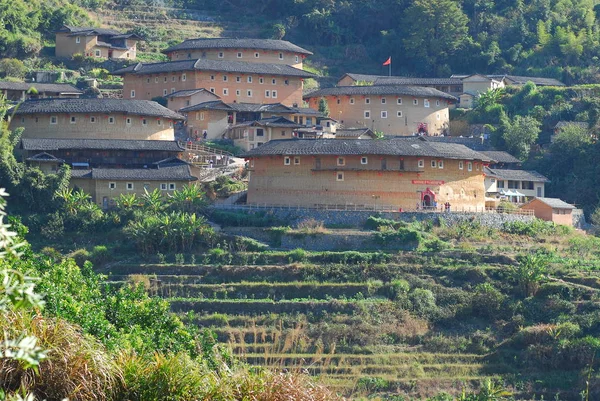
{"type": "Point", "coordinates": [554, 38]}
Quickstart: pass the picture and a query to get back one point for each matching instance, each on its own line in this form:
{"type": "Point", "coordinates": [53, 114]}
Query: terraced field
{"type": "Point", "coordinates": [348, 325]}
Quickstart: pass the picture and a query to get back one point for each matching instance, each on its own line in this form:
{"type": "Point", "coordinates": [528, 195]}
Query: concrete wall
{"type": "Point", "coordinates": [213, 121]}
{"type": "Point", "coordinates": [248, 55]}
{"type": "Point", "coordinates": [67, 46]}
{"type": "Point", "coordinates": [247, 137]}
{"type": "Point", "coordinates": [352, 115]}
{"type": "Point", "coordinates": [303, 183]}
{"type": "Point", "coordinates": [180, 102]}
{"type": "Point", "coordinates": [39, 126]}
{"type": "Point", "coordinates": [480, 84]}
{"type": "Point", "coordinates": [545, 212]}
{"type": "Point", "coordinates": [148, 86]}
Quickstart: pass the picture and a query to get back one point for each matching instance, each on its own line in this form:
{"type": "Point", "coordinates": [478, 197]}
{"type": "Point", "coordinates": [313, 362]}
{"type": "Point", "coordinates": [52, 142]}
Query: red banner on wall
{"type": "Point", "coordinates": [428, 182]}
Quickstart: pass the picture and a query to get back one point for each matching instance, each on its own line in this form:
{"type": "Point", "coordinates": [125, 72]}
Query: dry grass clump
{"type": "Point", "coordinates": [311, 226]}
{"type": "Point", "coordinates": [77, 367]}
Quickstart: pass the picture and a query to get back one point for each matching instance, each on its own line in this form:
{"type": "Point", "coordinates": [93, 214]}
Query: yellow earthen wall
{"type": "Point", "coordinates": [272, 182]}
{"type": "Point", "coordinates": [101, 129]}
{"type": "Point", "coordinates": [353, 115]}
{"type": "Point", "coordinates": [149, 86]}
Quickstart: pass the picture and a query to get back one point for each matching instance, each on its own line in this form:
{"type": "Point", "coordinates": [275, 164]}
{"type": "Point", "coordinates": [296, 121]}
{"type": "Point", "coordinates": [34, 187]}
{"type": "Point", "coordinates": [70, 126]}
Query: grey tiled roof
{"type": "Point", "coordinates": [45, 157]}
{"type": "Point", "coordinates": [241, 67]}
{"type": "Point", "coordinates": [516, 175]}
{"type": "Point", "coordinates": [177, 172]}
{"type": "Point", "coordinates": [353, 132]}
{"type": "Point", "coordinates": [474, 143]}
{"type": "Point", "coordinates": [417, 81]}
{"type": "Point", "coordinates": [410, 146]}
{"type": "Point", "coordinates": [361, 77]}
{"type": "Point", "coordinates": [500, 156]}
{"type": "Point", "coordinates": [392, 90]}
{"type": "Point", "coordinates": [230, 43]}
{"type": "Point", "coordinates": [37, 144]}
{"type": "Point", "coordinates": [536, 80]}
{"type": "Point", "coordinates": [25, 86]}
{"type": "Point", "coordinates": [89, 30]}
{"type": "Point", "coordinates": [270, 122]}
{"type": "Point", "coordinates": [250, 107]}
{"type": "Point", "coordinates": [104, 106]}
{"type": "Point", "coordinates": [555, 203]}
{"type": "Point", "coordinates": [190, 92]}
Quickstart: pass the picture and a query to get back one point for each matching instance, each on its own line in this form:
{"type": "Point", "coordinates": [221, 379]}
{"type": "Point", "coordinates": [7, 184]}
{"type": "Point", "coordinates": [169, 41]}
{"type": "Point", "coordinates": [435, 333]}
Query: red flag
{"type": "Point", "coordinates": [389, 61]}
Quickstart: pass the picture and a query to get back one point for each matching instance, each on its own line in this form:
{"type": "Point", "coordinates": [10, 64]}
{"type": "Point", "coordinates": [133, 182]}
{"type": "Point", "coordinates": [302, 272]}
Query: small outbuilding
{"type": "Point", "coordinates": [551, 209]}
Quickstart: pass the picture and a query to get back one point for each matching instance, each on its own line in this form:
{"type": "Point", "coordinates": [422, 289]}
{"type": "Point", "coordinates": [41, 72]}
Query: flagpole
{"type": "Point", "coordinates": [390, 66]}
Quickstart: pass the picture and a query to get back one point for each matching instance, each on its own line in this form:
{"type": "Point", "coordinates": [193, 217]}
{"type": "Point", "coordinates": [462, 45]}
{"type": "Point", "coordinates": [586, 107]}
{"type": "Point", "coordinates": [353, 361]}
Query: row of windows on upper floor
{"type": "Point", "coordinates": [399, 114]}
{"type": "Point", "coordinates": [341, 161]}
{"type": "Point", "coordinates": [239, 55]}
{"type": "Point", "coordinates": [94, 119]}
{"type": "Point", "coordinates": [510, 184]}
{"type": "Point", "coordinates": [238, 79]}
{"type": "Point", "coordinates": [130, 186]}
{"type": "Point", "coordinates": [415, 102]}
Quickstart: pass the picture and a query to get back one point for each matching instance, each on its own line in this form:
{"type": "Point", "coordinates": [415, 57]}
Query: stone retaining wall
{"type": "Point", "coordinates": [358, 218]}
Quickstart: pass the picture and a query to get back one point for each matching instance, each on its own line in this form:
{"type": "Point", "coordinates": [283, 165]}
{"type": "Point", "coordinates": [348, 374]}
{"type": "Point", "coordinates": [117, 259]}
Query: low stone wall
{"type": "Point", "coordinates": [358, 218]}
{"type": "Point", "coordinates": [579, 220]}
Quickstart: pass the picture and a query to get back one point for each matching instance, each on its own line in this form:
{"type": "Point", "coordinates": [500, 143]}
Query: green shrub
{"type": "Point", "coordinates": [297, 255]}
{"type": "Point", "coordinates": [241, 219]}
{"type": "Point", "coordinates": [100, 255]}
{"type": "Point", "coordinates": [423, 303]}
{"type": "Point", "coordinates": [487, 301]}
{"type": "Point", "coordinates": [535, 228]}
{"type": "Point", "coordinates": [80, 256]}
{"type": "Point", "coordinates": [247, 244]}
{"type": "Point", "coordinates": [374, 223]}
{"type": "Point", "coordinates": [372, 384]}
{"type": "Point", "coordinates": [401, 236]}
{"type": "Point", "coordinates": [54, 228]}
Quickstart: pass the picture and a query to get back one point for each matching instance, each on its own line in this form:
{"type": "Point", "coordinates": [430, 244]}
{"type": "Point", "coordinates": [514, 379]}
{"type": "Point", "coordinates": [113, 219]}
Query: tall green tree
{"type": "Point", "coordinates": [520, 134]}
{"type": "Point", "coordinates": [435, 31]}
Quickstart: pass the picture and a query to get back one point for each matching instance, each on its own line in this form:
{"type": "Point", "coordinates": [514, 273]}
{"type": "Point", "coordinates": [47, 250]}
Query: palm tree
{"type": "Point", "coordinates": [189, 198]}
{"type": "Point", "coordinates": [529, 272]}
{"type": "Point", "coordinates": [153, 201]}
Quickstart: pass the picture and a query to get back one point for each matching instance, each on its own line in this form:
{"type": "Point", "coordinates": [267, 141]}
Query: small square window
{"type": "Point", "coordinates": [73, 120]}
{"type": "Point", "coordinates": [249, 79]}
{"type": "Point", "coordinates": [433, 164]}
{"type": "Point", "coordinates": [111, 120]}
{"type": "Point", "coordinates": [224, 78]}
{"type": "Point", "coordinates": [173, 78]}
{"type": "Point", "coordinates": [296, 161]}
{"type": "Point", "coordinates": [221, 55]}
{"type": "Point", "coordinates": [280, 56]}
{"type": "Point", "coordinates": [461, 165]}
{"type": "Point", "coordinates": [158, 121]}
{"type": "Point", "coordinates": [212, 90]}
{"type": "Point", "coordinates": [399, 113]}
{"type": "Point", "coordinates": [130, 186]}
{"type": "Point", "coordinates": [225, 92]}
{"type": "Point", "coordinates": [274, 94]}
{"type": "Point", "coordinates": [155, 80]}
{"type": "Point", "coordinates": [92, 119]}
{"type": "Point", "coordinates": [77, 39]}
{"type": "Point", "coordinates": [256, 55]}
{"type": "Point", "coordinates": [261, 81]}
{"type": "Point", "coordinates": [341, 161]}
{"type": "Point", "coordinates": [274, 81]}
{"type": "Point", "coordinates": [339, 101]}
{"type": "Point", "coordinates": [212, 77]}
{"type": "Point", "coordinates": [339, 176]}
{"type": "Point", "coordinates": [128, 121]}
{"type": "Point", "coordinates": [53, 120]}
{"type": "Point", "coordinates": [98, 53]}
{"type": "Point", "coordinates": [351, 100]}
{"type": "Point", "coordinates": [383, 100]}
{"type": "Point", "coordinates": [267, 93]}
{"type": "Point", "coordinates": [172, 90]}
{"type": "Point", "coordinates": [437, 102]}
{"type": "Point", "coordinates": [163, 186]}
{"type": "Point", "coordinates": [383, 114]}
{"type": "Point", "coordinates": [367, 114]}
{"type": "Point", "coordinates": [172, 186]}
{"type": "Point", "coordinates": [399, 100]}
{"type": "Point", "coordinates": [287, 82]}
{"type": "Point", "coordinates": [238, 79]}
{"type": "Point", "coordinates": [421, 163]}
{"type": "Point", "coordinates": [470, 166]}
{"type": "Point", "coordinates": [441, 164]}
{"type": "Point", "coordinates": [112, 185]}
{"type": "Point", "coordinates": [426, 102]}
{"type": "Point", "coordinates": [239, 55]}
{"type": "Point", "coordinates": [286, 161]}
{"type": "Point", "coordinates": [437, 116]}
{"type": "Point", "coordinates": [238, 92]}
{"type": "Point", "coordinates": [166, 78]}
{"type": "Point", "coordinates": [415, 101]}
{"type": "Point", "coordinates": [164, 92]}
{"type": "Point", "coordinates": [144, 121]}
{"type": "Point", "coordinates": [297, 59]}
{"type": "Point", "coordinates": [201, 116]}
{"type": "Point", "coordinates": [367, 101]}
{"type": "Point", "coordinates": [132, 93]}
{"type": "Point", "coordinates": [183, 77]}
{"type": "Point", "coordinates": [147, 80]}
{"type": "Point", "coordinates": [364, 160]}
{"type": "Point", "coordinates": [249, 93]}
{"type": "Point", "coordinates": [22, 119]}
